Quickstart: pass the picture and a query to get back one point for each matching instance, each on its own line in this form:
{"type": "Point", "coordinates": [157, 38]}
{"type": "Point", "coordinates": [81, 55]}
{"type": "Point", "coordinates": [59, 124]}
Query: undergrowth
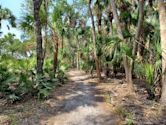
{"type": "Point", "coordinates": [126, 115]}
{"type": "Point", "coordinates": [15, 85]}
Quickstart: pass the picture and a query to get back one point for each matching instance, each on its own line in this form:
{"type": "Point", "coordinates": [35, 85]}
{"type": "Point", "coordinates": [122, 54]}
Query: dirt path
{"type": "Point", "coordinates": [84, 102]}
{"type": "Point", "coordinates": [81, 105]}
{"type": "Point", "coordinates": [79, 102]}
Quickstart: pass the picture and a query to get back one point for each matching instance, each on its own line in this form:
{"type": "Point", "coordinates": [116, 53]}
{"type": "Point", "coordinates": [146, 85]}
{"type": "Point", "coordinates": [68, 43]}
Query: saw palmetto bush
{"type": "Point", "coordinates": [114, 51]}
{"type": "Point", "coordinates": [18, 77]}
{"type": "Point", "coordinates": [16, 85]}
{"type": "Point", "coordinates": [149, 73]}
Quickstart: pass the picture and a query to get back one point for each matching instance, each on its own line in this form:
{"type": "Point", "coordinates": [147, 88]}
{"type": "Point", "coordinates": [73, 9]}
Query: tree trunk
{"type": "Point", "coordinates": [116, 18]}
{"type": "Point", "coordinates": [56, 48]}
{"type": "Point", "coordinates": [110, 17]}
{"type": "Point", "coordinates": [111, 29]}
{"type": "Point", "coordinates": [128, 71]}
{"type": "Point", "coordinates": [62, 39]}
{"type": "Point", "coordinates": [39, 48]}
{"type": "Point", "coordinates": [162, 16]}
{"type": "Point", "coordinates": [140, 49]}
{"type": "Point", "coordinates": [55, 57]}
{"type": "Point", "coordinates": [45, 28]}
{"type": "Point", "coordinates": [139, 26]}
{"type": "Point", "coordinates": [78, 53]}
{"type": "Point", "coordinates": [78, 60]}
{"type": "Point", "coordinates": [127, 62]}
{"type": "Point", "coordinates": [94, 43]}
{"type": "Point", "coordinates": [99, 24]}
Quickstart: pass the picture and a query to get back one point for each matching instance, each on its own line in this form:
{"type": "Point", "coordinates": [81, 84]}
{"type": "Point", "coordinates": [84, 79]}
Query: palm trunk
{"type": "Point", "coordinates": [111, 29]}
{"type": "Point", "coordinates": [140, 49]}
{"type": "Point", "coordinates": [99, 24]}
{"type": "Point", "coordinates": [128, 71]}
{"type": "Point", "coordinates": [110, 17]}
{"type": "Point", "coordinates": [99, 20]}
{"type": "Point", "coordinates": [45, 28]}
{"type": "Point", "coordinates": [78, 53]}
{"type": "Point", "coordinates": [77, 61]}
{"type": "Point", "coordinates": [139, 26]}
{"type": "Point", "coordinates": [94, 43]}
{"type": "Point", "coordinates": [116, 18]}
{"type": "Point", "coordinates": [162, 15]}
{"type": "Point", "coordinates": [55, 57]}
{"type": "Point", "coordinates": [62, 38]}
{"type": "Point", "coordinates": [56, 48]}
{"type": "Point", "coordinates": [39, 48]}
{"type": "Point", "coordinates": [127, 62]}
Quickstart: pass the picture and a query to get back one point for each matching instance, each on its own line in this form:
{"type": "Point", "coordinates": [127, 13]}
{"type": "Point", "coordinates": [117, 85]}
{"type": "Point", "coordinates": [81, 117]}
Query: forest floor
{"type": "Point", "coordinates": [84, 101]}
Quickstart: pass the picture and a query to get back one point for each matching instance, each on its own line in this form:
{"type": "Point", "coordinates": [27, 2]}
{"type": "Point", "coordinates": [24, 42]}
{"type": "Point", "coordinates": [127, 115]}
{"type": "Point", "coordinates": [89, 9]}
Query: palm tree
{"type": "Point", "coordinates": [6, 14]}
{"type": "Point", "coordinates": [162, 15]}
{"type": "Point", "coordinates": [98, 12]}
{"type": "Point", "coordinates": [110, 17]}
{"type": "Point", "coordinates": [116, 18]}
{"type": "Point", "coordinates": [45, 23]}
{"type": "Point", "coordinates": [94, 42]}
{"type": "Point", "coordinates": [127, 62]}
{"type": "Point", "coordinates": [39, 48]}
{"type": "Point", "coordinates": [139, 26]}
{"type": "Point", "coordinates": [56, 48]}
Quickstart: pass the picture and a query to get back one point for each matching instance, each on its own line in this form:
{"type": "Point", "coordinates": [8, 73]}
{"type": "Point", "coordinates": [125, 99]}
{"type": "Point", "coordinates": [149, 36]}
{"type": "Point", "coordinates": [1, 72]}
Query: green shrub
{"type": "Point", "coordinates": [149, 73]}
{"type": "Point", "coordinates": [43, 86]}
{"type": "Point", "coordinates": [139, 70]}
{"type": "Point", "coordinates": [18, 83]}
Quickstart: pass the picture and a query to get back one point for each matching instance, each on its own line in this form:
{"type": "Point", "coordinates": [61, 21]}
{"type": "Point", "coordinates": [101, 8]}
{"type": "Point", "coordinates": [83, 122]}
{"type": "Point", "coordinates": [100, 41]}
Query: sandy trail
{"type": "Point", "coordinates": [81, 101]}
{"type": "Point", "coordinates": [78, 102]}
{"type": "Point", "coordinates": [82, 105]}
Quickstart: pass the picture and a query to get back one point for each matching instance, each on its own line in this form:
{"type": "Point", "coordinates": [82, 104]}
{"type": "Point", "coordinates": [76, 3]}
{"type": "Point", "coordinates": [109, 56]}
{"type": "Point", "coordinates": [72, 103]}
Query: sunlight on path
{"type": "Point", "coordinates": [82, 107]}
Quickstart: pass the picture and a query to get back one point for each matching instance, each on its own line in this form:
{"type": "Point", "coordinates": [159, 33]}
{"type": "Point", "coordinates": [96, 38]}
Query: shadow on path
{"type": "Point", "coordinates": [77, 103]}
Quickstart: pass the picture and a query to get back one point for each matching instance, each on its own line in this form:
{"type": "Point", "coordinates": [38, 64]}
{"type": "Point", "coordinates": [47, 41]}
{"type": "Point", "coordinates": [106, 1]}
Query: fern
{"type": "Point", "coordinates": [12, 98]}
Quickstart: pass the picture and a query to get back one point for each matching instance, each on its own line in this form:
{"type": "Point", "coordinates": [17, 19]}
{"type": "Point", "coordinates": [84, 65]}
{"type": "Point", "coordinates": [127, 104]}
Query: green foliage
{"type": "Point", "coordinates": [14, 119]}
{"type": "Point", "coordinates": [126, 49]}
{"type": "Point", "coordinates": [139, 70]}
{"type": "Point", "coordinates": [149, 73]}
{"type": "Point", "coordinates": [6, 14]}
{"type": "Point", "coordinates": [124, 113]}
{"type": "Point", "coordinates": [43, 86]}
{"type": "Point", "coordinates": [15, 87]}
{"type": "Point", "coordinates": [12, 98]}
{"type": "Point", "coordinates": [70, 21]}
{"type": "Point", "coordinates": [26, 23]}
{"type": "Point", "coordinates": [125, 16]}
{"type": "Point", "coordinates": [19, 79]}
{"type": "Point", "coordinates": [158, 50]}
{"type": "Point", "coordinates": [115, 49]}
